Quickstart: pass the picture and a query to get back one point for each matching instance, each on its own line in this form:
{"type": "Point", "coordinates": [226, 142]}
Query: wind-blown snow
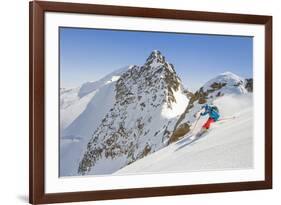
{"type": "Point", "coordinates": [228, 145]}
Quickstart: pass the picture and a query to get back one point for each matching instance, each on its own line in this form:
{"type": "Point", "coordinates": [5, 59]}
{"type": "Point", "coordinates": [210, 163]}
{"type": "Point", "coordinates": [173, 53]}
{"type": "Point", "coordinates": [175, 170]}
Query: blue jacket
{"type": "Point", "coordinates": [212, 112]}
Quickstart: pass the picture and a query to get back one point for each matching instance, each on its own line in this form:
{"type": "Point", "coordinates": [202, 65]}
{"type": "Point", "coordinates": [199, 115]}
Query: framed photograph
{"type": "Point", "coordinates": [139, 102]}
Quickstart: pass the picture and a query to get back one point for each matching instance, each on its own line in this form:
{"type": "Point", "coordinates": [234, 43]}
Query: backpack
{"type": "Point", "coordinates": [215, 108]}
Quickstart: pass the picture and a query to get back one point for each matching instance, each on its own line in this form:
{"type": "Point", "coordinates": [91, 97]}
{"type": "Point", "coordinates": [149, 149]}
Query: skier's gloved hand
{"type": "Point", "coordinates": [198, 114]}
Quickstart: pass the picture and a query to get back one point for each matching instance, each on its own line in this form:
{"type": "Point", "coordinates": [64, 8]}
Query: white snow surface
{"type": "Point", "coordinates": [82, 110]}
{"type": "Point", "coordinates": [227, 145]}
{"type": "Point", "coordinates": [72, 106]}
{"type": "Point", "coordinates": [74, 101]}
{"type": "Point", "coordinates": [99, 104]}
{"type": "Point", "coordinates": [75, 137]}
{"type": "Point", "coordinates": [177, 107]}
{"type": "Point", "coordinates": [91, 86]}
{"type": "Point", "coordinates": [235, 84]}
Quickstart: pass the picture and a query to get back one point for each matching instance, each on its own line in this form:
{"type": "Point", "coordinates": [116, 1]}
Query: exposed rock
{"type": "Point", "coordinates": [249, 84]}
{"type": "Point", "coordinates": [126, 134]}
{"type": "Point", "coordinates": [180, 131]}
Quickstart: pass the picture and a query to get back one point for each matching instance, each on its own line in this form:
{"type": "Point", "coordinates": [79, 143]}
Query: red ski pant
{"type": "Point", "coordinates": [208, 123]}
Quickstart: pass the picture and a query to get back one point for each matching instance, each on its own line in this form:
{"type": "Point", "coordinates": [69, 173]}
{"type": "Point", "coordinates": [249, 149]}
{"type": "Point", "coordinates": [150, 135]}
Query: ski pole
{"type": "Point", "coordinates": [195, 124]}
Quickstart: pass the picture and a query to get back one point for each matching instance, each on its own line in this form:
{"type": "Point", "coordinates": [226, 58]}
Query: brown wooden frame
{"type": "Point", "coordinates": [37, 194]}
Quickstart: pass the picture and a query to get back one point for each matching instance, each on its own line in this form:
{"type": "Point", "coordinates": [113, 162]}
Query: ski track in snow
{"type": "Point", "coordinates": [228, 145]}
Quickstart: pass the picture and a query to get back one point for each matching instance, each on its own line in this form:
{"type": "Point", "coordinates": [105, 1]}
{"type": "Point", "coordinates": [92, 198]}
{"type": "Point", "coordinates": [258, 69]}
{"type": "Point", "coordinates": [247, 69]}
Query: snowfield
{"type": "Point", "coordinates": [75, 137]}
{"type": "Point", "coordinates": [82, 109]}
{"type": "Point", "coordinates": [228, 144]}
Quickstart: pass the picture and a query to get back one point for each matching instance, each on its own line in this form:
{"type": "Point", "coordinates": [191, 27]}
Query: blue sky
{"type": "Point", "coordinates": [89, 54]}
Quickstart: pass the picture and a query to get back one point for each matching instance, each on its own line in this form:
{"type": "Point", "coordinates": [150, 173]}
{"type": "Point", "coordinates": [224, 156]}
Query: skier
{"type": "Point", "coordinates": [214, 115]}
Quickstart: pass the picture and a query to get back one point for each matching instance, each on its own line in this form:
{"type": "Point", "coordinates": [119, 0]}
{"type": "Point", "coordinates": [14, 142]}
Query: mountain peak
{"type": "Point", "coordinates": [144, 96]}
{"type": "Point", "coordinates": [225, 83]}
{"type": "Point", "coordinates": [155, 57]}
{"type": "Point", "coordinates": [229, 74]}
{"type": "Point", "coordinates": [227, 77]}
{"type": "Point", "coordinates": [156, 53]}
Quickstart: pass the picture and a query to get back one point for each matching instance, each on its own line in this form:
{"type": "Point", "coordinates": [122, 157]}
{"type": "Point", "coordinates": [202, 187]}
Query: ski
{"type": "Point", "coordinates": [226, 118]}
{"type": "Point", "coordinates": [197, 137]}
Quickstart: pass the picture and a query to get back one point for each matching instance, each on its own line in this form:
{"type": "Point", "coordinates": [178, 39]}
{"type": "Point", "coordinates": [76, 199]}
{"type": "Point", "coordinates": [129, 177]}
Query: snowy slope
{"type": "Point", "coordinates": [75, 137]}
{"type": "Point", "coordinates": [82, 110]}
{"type": "Point", "coordinates": [222, 85]}
{"type": "Point", "coordinates": [89, 87]}
{"type": "Point", "coordinates": [228, 145]}
{"type": "Point", "coordinates": [74, 101]}
{"type": "Point", "coordinates": [99, 104]}
{"type": "Point", "coordinates": [72, 106]}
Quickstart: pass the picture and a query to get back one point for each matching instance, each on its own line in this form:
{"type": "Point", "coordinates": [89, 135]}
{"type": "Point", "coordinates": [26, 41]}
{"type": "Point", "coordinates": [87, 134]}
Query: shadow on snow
{"type": "Point", "coordinates": [189, 140]}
